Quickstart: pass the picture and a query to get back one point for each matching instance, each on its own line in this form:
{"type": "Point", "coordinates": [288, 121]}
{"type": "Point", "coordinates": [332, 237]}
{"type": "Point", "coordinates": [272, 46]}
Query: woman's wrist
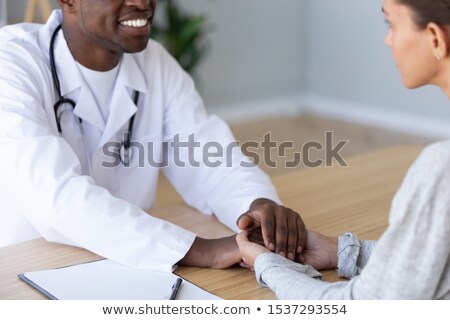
{"type": "Point", "coordinates": [333, 243]}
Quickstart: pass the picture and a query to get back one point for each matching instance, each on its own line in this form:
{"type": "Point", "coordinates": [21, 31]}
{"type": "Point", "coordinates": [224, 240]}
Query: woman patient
{"type": "Point", "coordinates": [411, 260]}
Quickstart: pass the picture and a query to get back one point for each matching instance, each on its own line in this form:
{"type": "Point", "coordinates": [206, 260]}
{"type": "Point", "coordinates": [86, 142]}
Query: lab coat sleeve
{"type": "Point", "coordinates": [213, 176]}
{"type": "Point", "coordinates": [41, 169]}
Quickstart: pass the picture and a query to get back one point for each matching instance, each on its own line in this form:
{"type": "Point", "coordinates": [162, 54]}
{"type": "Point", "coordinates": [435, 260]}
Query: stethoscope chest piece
{"type": "Point", "coordinates": [125, 155]}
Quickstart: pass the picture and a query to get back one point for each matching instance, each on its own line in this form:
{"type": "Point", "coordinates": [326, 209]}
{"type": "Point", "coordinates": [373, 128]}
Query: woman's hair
{"type": "Point", "coordinates": [426, 11]}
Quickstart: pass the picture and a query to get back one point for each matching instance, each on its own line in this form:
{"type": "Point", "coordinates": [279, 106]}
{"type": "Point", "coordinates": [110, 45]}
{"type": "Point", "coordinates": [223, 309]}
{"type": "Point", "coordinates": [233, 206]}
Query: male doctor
{"type": "Point", "coordinates": [67, 94]}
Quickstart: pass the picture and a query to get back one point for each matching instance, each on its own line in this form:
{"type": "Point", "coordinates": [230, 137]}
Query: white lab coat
{"type": "Point", "coordinates": [46, 188]}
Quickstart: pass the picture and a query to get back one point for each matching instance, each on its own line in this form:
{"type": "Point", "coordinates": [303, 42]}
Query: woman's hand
{"type": "Point", "coordinates": [320, 252]}
{"type": "Point", "coordinates": [249, 250]}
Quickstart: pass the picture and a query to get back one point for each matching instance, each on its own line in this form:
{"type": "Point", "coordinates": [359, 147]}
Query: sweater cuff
{"type": "Point", "coordinates": [268, 261]}
{"type": "Point", "coordinates": [348, 252]}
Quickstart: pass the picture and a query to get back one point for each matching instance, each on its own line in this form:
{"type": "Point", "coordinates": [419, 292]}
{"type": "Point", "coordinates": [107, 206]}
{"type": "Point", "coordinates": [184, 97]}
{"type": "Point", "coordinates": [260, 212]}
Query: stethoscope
{"type": "Point", "coordinates": [63, 104]}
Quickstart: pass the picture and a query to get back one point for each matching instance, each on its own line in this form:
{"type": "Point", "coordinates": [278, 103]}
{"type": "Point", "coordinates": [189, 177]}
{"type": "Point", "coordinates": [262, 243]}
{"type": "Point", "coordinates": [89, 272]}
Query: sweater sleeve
{"type": "Point", "coordinates": [290, 280]}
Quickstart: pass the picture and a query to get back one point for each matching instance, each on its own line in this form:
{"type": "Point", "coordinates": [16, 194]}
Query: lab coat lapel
{"type": "Point", "coordinates": [130, 79]}
{"type": "Point", "coordinates": [122, 109]}
{"type": "Point", "coordinates": [87, 108]}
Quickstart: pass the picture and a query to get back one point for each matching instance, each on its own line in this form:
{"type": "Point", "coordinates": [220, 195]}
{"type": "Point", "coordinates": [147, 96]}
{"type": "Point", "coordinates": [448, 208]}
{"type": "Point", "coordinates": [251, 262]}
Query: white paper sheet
{"type": "Point", "coordinates": [107, 280]}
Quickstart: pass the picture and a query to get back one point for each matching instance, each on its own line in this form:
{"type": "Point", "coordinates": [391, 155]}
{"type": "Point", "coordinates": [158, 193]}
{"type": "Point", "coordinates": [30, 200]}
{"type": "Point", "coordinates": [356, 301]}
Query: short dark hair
{"type": "Point", "coordinates": [426, 11]}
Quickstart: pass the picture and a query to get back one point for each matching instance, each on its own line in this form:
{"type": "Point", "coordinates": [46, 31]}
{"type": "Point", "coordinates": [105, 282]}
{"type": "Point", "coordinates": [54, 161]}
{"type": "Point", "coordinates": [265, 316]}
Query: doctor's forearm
{"type": "Point", "coordinates": [212, 253]}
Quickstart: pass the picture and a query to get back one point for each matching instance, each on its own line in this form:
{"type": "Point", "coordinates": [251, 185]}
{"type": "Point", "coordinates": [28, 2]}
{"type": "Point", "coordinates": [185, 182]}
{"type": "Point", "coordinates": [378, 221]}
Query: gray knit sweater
{"type": "Point", "coordinates": [410, 261]}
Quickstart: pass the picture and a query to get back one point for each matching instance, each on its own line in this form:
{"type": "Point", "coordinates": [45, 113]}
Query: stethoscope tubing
{"type": "Point", "coordinates": [126, 145]}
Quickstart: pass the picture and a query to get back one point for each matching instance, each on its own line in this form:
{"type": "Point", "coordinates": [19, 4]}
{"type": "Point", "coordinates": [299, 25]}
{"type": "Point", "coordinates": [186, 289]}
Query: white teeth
{"type": "Point", "coordinates": [139, 23]}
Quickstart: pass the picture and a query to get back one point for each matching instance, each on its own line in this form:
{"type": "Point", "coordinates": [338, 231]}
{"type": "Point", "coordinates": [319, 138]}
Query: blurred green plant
{"type": "Point", "coordinates": [182, 34]}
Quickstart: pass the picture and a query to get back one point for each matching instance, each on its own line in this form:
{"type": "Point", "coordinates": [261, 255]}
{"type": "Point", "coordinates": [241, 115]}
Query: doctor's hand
{"type": "Point", "coordinates": [212, 253]}
{"type": "Point", "coordinates": [282, 228]}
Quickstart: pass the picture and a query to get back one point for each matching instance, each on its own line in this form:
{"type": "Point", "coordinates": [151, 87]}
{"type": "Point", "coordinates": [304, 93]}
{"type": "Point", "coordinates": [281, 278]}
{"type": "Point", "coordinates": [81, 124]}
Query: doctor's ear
{"type": "Point", "coordinates": [439, 40]}
{"type": "Point", "coordinates": [67, 5]}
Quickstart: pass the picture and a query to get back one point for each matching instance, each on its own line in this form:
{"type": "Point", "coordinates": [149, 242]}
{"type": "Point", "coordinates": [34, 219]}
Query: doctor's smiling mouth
{"type": "Point", "coordinates": [137, 23]}
{"type": "Point", "coordinates": [123, 26]}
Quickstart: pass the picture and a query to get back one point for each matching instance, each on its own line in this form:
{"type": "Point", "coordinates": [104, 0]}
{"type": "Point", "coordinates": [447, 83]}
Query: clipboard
{"type": "Point", "coordinates": [107, 280]}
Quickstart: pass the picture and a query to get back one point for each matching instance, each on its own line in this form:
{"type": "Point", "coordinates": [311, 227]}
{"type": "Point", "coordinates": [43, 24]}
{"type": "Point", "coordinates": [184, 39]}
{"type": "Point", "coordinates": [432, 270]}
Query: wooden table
{"type": "Point", "coordinates": [331, 200]}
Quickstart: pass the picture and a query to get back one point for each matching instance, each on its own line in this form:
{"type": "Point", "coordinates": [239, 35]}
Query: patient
{"type": "Point", "coordinates": [412, 258]}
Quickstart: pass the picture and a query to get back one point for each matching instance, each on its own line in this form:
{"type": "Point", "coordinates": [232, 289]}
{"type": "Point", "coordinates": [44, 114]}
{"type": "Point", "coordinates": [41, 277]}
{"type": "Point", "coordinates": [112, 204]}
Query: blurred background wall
{"type": "Point", "coordinates": [350, 69]}
{"type": "Point", "coordinates": [258, 49]}
{"type": "Point", "coordinates": [16, 9]}
{"type": "Point", "coordinates": [292, 56]}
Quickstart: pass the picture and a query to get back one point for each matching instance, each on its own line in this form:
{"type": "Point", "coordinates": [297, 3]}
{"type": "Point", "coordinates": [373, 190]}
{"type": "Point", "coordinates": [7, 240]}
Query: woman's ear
{"type": "Point", "coordinates": [439, 40]}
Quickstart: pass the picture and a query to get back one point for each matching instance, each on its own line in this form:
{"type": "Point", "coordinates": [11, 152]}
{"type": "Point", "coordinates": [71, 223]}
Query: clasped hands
{"type": "Point", "coordinates": [266, 227]}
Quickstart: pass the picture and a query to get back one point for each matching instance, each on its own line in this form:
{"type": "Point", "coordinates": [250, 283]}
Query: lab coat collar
{"type": "Point", "coordinates": [68, 73]}
{"type": "Point", "coordinates": [131, 75]}
{"type": "Point", "coordinates": [71, 80]}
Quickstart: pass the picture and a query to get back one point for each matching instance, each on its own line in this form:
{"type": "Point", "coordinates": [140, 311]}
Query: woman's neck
{"type": "Point", "coordinates": [442, 78]}
{"type": "Point", "coordinates": [446, 80]}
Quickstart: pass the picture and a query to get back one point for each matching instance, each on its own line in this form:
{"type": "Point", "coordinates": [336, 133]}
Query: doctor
{"type": "Point", "coordinates": [66, 93]}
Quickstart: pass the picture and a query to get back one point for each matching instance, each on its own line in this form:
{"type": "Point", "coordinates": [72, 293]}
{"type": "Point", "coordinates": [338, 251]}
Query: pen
{"type": "Point", "coordinates": [175, 289]}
